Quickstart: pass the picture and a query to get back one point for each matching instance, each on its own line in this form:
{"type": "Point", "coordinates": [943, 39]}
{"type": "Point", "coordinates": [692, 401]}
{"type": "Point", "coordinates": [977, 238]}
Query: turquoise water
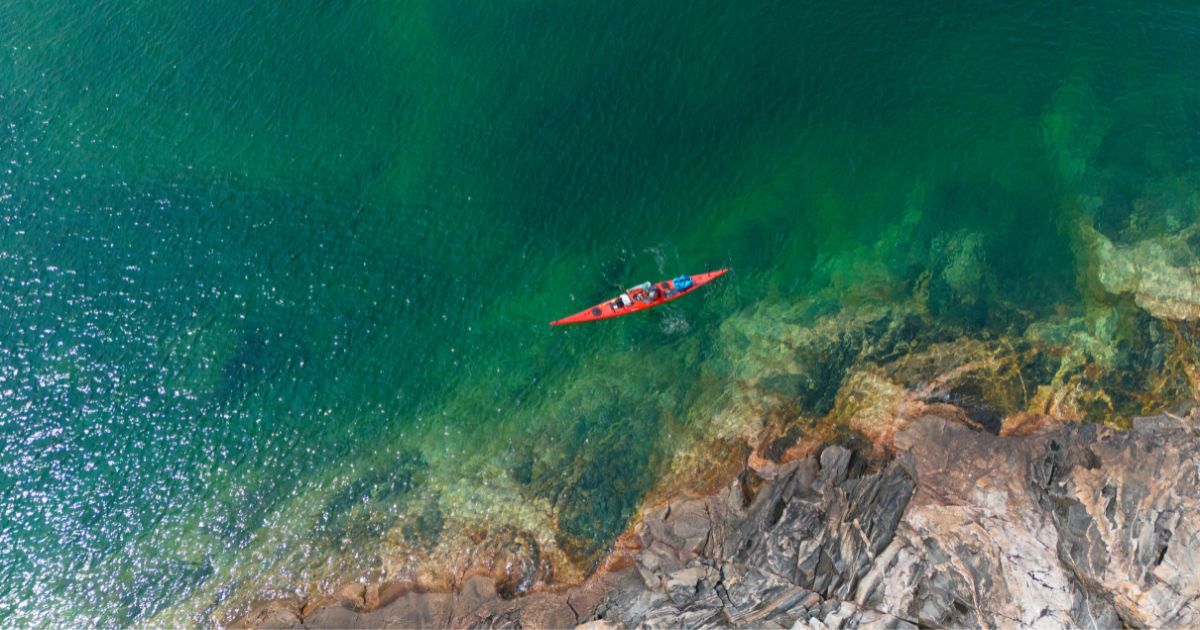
{"type": "Point", "coordinates": [275, 279]}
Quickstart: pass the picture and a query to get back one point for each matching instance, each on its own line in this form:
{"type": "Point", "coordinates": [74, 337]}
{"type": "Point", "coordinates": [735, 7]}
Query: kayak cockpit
{"type": "Point", "coordinates": [620, 302]}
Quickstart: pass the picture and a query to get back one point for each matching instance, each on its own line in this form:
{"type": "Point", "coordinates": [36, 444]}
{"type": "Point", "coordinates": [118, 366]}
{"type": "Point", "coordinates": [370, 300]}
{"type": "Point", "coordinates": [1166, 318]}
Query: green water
{"type": "Point", "coordinates": [274, 279]}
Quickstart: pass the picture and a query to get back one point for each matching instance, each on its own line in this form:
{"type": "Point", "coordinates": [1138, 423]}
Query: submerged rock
{"type": "Point", "coordinates": [1073, 127]}
{"type": "Point", "coordinates": [789, 363]}
{"type": "Point", "coordinates": [1161, 273]}
{"type": "Point", "coordinates": [367, 506]}
{"type": "Point", "coordinates": [958, 288]}
{"type": "Point", "coordinates": [1115, 363]}
{"type": "Point", "coordinates": [1068, 525]}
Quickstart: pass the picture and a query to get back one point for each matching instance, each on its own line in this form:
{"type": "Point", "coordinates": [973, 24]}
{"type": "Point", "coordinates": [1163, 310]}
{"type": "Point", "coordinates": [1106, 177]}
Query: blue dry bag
{"type": "Point", "coordinates": [682, 283]}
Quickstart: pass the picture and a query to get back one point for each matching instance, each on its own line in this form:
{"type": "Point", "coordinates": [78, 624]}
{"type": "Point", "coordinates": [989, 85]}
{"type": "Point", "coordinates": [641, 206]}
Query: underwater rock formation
{"type": "Point", "coordinates": [1066, 525]}
{"type": "Point", "coordinates": [958, 283]}
{"type": "Point", "coordinates": [1073, 127]}
{"type": "Point", "coordinates": [792, 363]}
{"type": "Point", "coordinates": [1162, 273]}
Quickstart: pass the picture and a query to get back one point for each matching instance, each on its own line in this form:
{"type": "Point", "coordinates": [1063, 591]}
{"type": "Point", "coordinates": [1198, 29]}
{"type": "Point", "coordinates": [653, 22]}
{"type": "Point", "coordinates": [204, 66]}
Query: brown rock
{"type": "Point", "coordinates": [273, 614]}
{"type": "Point", "coordinates": [353, 596]}
{"type": "Point", "coordinates": [1026, 423]}
{"type": "Point", "coordinates": [546, 610]}
{"type": "Point", "coordinates": [476, 592]}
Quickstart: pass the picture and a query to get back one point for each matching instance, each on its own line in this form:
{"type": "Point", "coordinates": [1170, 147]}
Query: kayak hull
{"type": "Point", "coordinates": [612, 308]}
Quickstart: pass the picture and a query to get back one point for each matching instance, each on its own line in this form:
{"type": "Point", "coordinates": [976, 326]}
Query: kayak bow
{"type": "Point", "coordinates": [642, 297]}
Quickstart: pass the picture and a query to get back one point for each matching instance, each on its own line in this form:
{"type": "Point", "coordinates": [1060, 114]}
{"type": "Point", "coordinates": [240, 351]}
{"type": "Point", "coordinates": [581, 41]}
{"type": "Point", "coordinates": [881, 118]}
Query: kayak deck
{"type": "Point", "coordinates": [639, 299]}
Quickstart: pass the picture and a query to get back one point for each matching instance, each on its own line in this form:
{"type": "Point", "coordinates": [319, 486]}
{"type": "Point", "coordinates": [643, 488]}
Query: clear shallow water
{"type": "Point", "coordinates": [272, 277]}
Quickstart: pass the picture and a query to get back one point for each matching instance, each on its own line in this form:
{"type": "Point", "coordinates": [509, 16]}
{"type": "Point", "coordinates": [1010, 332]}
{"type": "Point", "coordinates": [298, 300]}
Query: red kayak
{"type": "Point", "coordinates": [642, 297]}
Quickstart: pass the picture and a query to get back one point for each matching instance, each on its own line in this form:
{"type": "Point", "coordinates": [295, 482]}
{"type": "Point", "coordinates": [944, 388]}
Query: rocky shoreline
{"type": "Point", "coordinates": [952, 432]}
{"type": "Point", "coordinates": [1047, 524]}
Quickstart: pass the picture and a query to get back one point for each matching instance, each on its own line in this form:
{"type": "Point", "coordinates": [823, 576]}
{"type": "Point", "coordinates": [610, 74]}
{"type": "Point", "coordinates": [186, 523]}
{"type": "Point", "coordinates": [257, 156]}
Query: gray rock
{"type": "Point", "coordinates": [1074, 527]}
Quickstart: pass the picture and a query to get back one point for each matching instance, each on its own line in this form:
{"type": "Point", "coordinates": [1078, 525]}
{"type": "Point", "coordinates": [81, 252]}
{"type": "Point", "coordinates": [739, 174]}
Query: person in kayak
{"type": "Point", "coordinates": [644, 292]}
{"type": "Point", "coordinates": [621, 302]}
